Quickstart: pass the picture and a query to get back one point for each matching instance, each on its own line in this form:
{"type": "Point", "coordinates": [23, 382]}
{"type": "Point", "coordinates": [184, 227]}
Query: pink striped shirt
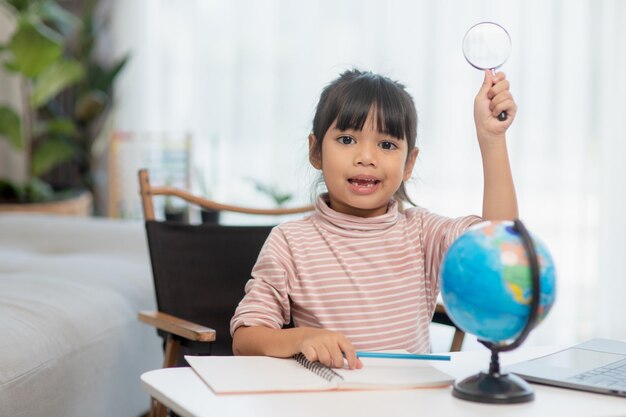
{"type": "Point", "coordinates": [373, 279]}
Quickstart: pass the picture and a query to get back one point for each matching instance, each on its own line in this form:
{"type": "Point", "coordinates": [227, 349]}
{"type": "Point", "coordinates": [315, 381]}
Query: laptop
{"type": "Point", "coordinates": [598, 365]}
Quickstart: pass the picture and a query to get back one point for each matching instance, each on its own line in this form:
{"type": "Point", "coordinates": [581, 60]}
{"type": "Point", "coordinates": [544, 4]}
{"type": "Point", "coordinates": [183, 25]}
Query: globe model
{"type": "Point", "coordinates": [486, 282]}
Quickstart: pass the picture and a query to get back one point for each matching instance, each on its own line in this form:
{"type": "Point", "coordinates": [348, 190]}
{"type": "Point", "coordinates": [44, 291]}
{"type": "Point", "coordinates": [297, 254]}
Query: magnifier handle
{"type": "Point", "coordinates": [502, 116]}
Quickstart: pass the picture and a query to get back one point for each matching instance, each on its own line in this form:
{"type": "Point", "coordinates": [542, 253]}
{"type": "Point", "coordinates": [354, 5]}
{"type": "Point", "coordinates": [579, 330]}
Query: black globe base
{"type": "Point", "coordinates": [494, 389]}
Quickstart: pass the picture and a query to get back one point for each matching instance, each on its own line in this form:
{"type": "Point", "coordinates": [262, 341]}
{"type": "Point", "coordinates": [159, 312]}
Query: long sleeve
{"type": "Point", "coordinates": [266, 300]}
{"type": "Point", "coordinates": [438, 234]}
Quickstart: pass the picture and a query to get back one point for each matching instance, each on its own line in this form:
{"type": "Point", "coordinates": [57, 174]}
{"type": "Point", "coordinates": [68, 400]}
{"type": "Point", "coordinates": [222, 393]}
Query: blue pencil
{"type": "Point", "coordinates": [402, 356]}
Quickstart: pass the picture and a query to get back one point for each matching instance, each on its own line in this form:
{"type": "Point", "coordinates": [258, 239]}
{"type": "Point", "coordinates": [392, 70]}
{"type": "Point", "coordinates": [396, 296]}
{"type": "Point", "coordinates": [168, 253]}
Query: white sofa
{"type": "Point", "coordinates": [70, 290]}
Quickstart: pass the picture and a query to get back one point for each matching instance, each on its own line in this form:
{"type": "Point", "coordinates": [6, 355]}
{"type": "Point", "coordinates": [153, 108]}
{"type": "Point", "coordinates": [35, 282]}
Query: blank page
{"type": "Point", "coordinates": [241, 374]}
{"type": "Point", "coordinates": [382, 373]}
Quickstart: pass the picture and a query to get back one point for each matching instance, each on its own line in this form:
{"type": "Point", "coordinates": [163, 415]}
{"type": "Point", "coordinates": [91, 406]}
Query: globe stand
{"type": "Point", "coordinates": [494, 387]}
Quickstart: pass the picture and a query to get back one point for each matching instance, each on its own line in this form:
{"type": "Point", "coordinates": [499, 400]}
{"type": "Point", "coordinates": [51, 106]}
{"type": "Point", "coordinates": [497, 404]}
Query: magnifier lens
{"type": "Point", "coordinates": [486, 45]}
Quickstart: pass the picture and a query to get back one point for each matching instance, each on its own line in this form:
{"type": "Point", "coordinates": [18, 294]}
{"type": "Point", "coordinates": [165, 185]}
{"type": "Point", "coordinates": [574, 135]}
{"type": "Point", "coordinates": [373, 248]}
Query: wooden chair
{"type": "Point", "coordinates": [200, 271]}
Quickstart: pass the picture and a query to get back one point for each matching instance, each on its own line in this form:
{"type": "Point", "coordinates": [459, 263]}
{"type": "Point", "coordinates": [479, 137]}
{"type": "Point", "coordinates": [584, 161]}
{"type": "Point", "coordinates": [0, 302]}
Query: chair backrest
{"type": "Point", "coordinates": [200, 270]}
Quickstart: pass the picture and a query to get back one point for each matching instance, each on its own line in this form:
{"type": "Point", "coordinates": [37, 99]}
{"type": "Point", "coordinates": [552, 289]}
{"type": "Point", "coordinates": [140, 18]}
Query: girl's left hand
{"type": "Point", "coordinates": [492, 99]}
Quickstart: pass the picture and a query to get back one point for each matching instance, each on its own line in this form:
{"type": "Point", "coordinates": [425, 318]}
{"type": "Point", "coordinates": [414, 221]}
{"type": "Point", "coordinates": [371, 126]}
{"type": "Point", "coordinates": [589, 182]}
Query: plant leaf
{"type": "Point", "coordinates": [60, 126]}
{"type": "Point", "coordinates": [281, 199]}
{"type": "Point", "coordinates": [49, 154]}
{"type": "Point", "coordinates": [19, 5]}
{"type": "Point", "coordinates": [55, 79]}
{"type": "Point", "coordinates": [90, 105]}
{"type": "Point", "coordinates": [9, 191]}
{"type": "Point", "coordinates": [11, 127]}
{"type": "Point", "coordinates": [37, 190]}
{"type": "Point", "coordinates": [34, 47]}
{"type": "Point", "coordinates": [104, 78]}
{"type": "Point", "coordinates": [61, 18]}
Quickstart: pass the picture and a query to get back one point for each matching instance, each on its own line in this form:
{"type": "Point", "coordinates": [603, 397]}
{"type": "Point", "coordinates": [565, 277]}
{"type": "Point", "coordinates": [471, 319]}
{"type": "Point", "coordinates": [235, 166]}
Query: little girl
{"type": "Point", "coordinates": [360, 273]}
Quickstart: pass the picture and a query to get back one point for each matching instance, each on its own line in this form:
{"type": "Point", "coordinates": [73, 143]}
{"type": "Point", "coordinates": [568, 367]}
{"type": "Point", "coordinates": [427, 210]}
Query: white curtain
{"type": "Point", "coordinates": [243, 78]}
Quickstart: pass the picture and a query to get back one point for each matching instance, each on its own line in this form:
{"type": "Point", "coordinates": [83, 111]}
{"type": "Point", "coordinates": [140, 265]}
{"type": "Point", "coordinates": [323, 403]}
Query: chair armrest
{"type": "Point", "coordinates": [177, 326]}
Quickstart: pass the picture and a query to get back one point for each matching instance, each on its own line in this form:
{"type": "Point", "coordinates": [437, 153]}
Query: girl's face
{"type": "Point", "coordinates": [362, 169]}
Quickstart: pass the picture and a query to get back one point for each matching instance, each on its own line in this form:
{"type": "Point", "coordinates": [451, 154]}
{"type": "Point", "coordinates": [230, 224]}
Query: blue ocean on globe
{"type": "Point", "coordinates": [486, 281]}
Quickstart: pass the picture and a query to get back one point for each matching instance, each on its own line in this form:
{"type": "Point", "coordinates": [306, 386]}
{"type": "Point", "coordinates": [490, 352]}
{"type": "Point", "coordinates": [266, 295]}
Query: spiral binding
{"type": "Point", "coordinates": [317, 368]}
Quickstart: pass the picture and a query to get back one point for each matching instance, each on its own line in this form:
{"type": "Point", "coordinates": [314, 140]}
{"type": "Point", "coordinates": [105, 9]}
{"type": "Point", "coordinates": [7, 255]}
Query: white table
{"type": "Point", "coordinates": [184, 392]}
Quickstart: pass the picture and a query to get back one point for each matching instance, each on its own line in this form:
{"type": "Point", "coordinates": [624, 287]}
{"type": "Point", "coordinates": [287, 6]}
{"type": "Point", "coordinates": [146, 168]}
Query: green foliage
{"type": "Point", "coordinates": [60, 126]}
{"type": "Point", "coordinates": [11, 127]}
{"type": "Point", "coordinates": [19, 5]}
{"type": "Point", "coordinates": [59, 18]}
{"type": "Point", "coordinates": [51, 153]}
{"type": "Point", "coordinates": [34, 47]}
{"type": "Point", "coordinates": [33, 190]}
{"type": "Point", "coordinates": [54, 79]}
{"type": "Point", "coordinates": [67, 91]}
{"type": "Point", "coordinates": [279, 197]}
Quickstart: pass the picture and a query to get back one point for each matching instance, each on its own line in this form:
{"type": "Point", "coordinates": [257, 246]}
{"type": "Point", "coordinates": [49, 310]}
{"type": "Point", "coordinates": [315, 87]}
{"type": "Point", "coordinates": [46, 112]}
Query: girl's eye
{"type": "Point", "coordinates": [346, 140]}
{"type": "Point", "coordinates": [388, 145]}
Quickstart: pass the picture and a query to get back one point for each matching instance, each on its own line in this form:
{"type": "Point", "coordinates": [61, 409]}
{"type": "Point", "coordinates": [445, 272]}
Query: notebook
{"type": "Point", "coordinates": [262, 374]}
{"type": "Point", "coordinates": [598, 365]}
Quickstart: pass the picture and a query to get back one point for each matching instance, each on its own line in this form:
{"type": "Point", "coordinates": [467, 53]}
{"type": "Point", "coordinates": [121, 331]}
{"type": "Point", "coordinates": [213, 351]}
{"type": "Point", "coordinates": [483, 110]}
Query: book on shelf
{"type": "Point", "coordinates": [263, 374]}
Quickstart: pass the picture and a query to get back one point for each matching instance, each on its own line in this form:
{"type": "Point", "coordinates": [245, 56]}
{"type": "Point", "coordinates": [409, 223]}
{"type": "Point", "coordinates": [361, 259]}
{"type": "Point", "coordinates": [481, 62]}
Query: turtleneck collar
{"type": "Point", "coordinates": [354, 226]}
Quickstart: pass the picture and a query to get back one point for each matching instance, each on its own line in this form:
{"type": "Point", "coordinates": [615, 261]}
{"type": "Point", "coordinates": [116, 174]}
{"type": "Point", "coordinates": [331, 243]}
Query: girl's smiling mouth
{"type": "Point", "coordinates": [363, 184]}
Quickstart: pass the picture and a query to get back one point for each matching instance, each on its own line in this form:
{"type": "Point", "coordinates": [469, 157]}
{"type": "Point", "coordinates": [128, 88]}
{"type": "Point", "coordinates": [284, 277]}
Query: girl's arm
{"type": "Point", "coordinates": [266, 304]}
{"type": "Point", "coordinates": [499, 198]}
{"type": "Point", "coordinates": [320, 345]}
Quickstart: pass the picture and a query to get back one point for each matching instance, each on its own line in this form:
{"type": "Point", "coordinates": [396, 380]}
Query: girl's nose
{"type": "Point", "coordinates": [365, 155]}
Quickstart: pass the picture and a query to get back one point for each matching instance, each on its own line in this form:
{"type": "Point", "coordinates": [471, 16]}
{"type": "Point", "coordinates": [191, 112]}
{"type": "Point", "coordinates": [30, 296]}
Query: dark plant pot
{"type": "Point", "coordinates": [175, 215]}
{"type": "Point", "coordinates": [210, 216]}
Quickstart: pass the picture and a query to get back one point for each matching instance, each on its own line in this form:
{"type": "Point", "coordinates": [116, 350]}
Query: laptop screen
{"type": "Point", "coordinates": [577, 360]}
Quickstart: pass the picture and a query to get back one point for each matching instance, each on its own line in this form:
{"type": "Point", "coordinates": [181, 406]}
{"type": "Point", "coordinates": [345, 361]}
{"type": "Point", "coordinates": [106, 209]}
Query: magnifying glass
{"type": "Point", "coordinates": [487, 46]}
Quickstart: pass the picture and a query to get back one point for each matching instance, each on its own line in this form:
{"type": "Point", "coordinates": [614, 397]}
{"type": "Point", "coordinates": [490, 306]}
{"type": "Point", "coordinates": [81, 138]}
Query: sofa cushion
{"type": "Point", "coordinates": [70, 290]}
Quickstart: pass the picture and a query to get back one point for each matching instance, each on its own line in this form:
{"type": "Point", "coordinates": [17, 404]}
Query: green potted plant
{"type": "Point", "coordinates": [207, 216]}
{"type": "Point", "coordinates": [174, 209]}
{"type": "Point", "coordinates": [66, 94]}
{"type": "Point", "coordinates": [273, 192]}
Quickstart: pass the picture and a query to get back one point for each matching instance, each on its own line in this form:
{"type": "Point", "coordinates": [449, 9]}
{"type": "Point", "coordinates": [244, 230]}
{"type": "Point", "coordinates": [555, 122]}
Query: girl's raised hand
{"type": "Point", "coordinates": [329, 348]}
{"type": "Point", "coordinates": [492, 99]}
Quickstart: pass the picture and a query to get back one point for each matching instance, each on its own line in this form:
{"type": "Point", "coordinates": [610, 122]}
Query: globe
{"type": "Point", "coordinates": [486, 282]}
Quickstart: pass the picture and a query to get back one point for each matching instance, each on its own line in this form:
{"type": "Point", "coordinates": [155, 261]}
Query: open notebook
{"type": "Point", "coordinates": [257, 374]}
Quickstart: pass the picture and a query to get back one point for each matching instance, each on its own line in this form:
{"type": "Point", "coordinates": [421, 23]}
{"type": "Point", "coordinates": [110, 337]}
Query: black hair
{"type": "Point", "coordinates": [349, 99]}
